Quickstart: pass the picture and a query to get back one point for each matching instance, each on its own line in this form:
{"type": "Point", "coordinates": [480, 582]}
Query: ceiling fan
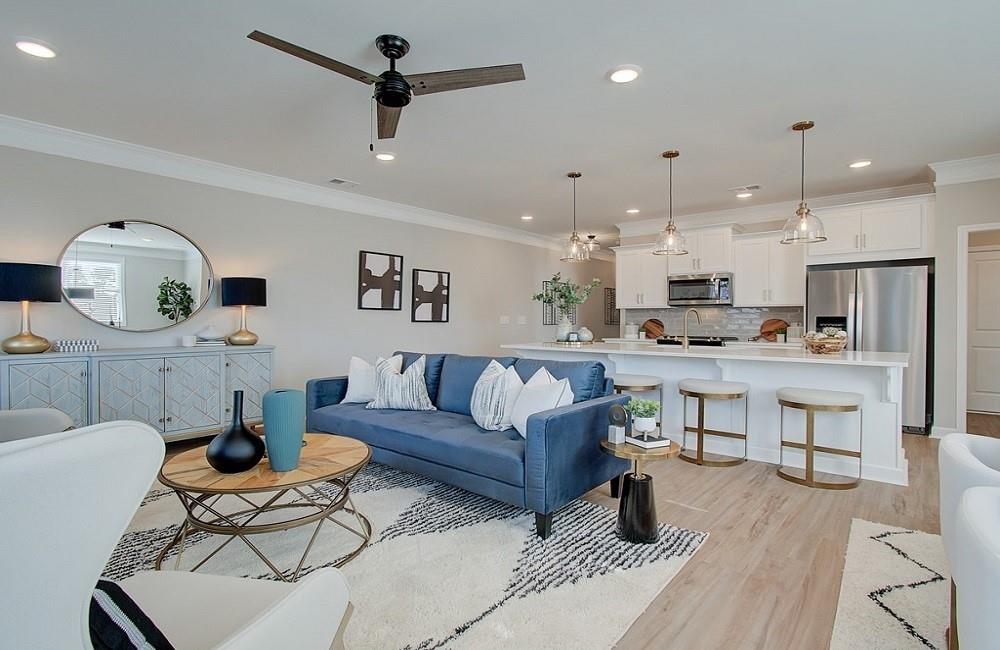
{"type": "Point", "coordinates": [393, 91]}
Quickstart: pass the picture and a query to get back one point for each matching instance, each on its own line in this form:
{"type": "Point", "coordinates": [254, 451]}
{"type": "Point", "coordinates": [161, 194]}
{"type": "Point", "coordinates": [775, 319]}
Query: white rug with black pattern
{"type": "Point", "coordinates": [449, 569]}
{"type": "Point", "coordinates": [894, 592]}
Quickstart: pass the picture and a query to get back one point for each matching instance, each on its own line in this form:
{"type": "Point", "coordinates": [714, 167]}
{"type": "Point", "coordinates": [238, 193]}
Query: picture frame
{"type": "Point", "coordinates": [430, 296]}
{"type": "Point", "coordinates": [380, 281]}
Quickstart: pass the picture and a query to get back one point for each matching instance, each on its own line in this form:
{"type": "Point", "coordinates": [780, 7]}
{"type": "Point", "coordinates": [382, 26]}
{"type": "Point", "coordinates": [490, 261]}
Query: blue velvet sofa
{"type": "Point", "coordinates": [559, 461]}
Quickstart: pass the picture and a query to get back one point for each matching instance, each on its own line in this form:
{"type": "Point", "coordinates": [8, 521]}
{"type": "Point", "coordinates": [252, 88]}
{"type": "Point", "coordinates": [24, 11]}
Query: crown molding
{"type": "Point", "coordinates": [966, 170]}
{"type": "Point", "coordinates": [44, 138]}
{"type": "Point", "coordinates": [772, 211]}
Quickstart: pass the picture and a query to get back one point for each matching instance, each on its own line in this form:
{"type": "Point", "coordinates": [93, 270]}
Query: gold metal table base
{"type": "Point", "coordinates": [807, 476]}
{"type": "Point", "coordinates": [205, 515]}
{"type": "Point", "coordinates": [699, 457]}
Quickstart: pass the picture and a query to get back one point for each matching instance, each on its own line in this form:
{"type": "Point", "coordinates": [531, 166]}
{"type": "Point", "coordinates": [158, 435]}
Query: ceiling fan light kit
{"type": "Point", "coordinates": [803, 227]}
{"type": "Point", "coordinates": [392, 90]}
{"type": "Point", "coordinates": [575, 250]}
{"type": "Point", "coordinates": [670, 242]}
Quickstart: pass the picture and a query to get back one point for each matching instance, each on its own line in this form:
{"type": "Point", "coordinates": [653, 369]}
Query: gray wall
{"type": "Point", "coordinates": [308, 254]}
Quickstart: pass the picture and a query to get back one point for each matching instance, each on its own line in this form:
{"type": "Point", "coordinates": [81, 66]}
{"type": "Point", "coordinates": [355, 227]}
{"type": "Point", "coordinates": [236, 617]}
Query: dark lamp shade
{"type": "Point", "coordinates": [34, 282]}
{"type": "Point", "coordinates": [244, 291]}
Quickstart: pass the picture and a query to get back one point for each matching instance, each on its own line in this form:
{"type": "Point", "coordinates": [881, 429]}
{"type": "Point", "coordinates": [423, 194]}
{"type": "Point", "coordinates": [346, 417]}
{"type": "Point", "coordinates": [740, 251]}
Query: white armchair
{"type": "Point", "coordinates": [28, 423]}
{"type": "Point", "coordinates": [964, 461]}
{"type": "Point", "coordinates": [977, 568]}
{"type": "Point", "coordinates": [66, 499]}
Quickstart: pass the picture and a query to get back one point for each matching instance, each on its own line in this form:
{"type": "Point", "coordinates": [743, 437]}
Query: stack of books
{"type": "Point", "coordinates": [205, 342]}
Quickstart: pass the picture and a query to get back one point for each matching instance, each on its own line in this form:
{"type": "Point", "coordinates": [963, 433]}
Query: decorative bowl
{"type": "Point", "coordinates": [828, 345]}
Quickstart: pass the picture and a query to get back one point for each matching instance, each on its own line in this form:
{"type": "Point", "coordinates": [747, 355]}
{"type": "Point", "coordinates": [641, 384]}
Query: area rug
{"type": "Point", "coordinates": [449, 569]}
{"type": "Point", "coordinates": [894, 592]}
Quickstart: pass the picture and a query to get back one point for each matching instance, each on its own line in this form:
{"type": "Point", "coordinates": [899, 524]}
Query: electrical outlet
{"type": "Point", "coordinates": [505, 319]}
{"type": "Point", "coordinates": [522, 320]}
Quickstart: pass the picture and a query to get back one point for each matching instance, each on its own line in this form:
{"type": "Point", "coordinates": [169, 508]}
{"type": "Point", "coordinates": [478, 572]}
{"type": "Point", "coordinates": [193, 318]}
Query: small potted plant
{"type": "Point", "coordinates": [643, 412]}
{"type": "Point", "coordinates": [565, 295]}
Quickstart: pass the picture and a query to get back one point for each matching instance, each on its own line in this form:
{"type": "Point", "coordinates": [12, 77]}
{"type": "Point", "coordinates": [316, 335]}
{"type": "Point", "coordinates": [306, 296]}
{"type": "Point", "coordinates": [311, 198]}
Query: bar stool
{"type": "Point", "coordinates": [812, 400]}
{"type": "Point", "coordinates": [639, 384]}
{"type": "Point", "coordinates": [710, 389]}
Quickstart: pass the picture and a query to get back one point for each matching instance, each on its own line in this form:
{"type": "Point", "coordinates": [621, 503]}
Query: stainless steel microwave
{"type": "Point", "coordinates": [700, 289]}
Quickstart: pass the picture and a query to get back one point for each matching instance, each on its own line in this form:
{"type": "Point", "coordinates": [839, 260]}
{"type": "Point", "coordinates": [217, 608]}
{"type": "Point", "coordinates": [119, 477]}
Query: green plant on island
{"type": "Point", "coordinates": [642, 408]}
{"type": "Point", "coordinates": [566, 294]}
{"type": "Point", "coordinates": [174, 299]}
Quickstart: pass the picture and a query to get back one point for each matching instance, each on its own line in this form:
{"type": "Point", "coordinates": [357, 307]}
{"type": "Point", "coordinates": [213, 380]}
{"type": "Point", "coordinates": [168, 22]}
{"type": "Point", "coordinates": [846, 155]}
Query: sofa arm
{"type": "Point", "coordinates": [324, 392]}
{"type": "Point", "coordinates": [563, 459]}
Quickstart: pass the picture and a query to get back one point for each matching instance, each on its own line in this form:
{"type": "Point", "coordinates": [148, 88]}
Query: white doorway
{"type": "Point", "coordinates": [983, 330]}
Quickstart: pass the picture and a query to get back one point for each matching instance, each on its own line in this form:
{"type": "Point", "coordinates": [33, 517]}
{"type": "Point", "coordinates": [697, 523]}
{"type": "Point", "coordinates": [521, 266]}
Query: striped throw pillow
{"type": "Point", "coordinates": [494, 395]}
{"type": "Point", "coordinates": [406, 391]}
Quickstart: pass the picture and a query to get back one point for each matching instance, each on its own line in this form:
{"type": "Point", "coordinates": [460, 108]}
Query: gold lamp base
{"type": "Point", "coordinates": [25, 343]}
{"type": "Point", "coordinates": [242, 337]}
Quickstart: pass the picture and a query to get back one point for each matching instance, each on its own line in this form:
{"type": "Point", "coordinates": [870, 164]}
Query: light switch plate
{"type": "Point", "coordinates": [522, 320]}
{"type": "Point", "coordinates": [505, 319]}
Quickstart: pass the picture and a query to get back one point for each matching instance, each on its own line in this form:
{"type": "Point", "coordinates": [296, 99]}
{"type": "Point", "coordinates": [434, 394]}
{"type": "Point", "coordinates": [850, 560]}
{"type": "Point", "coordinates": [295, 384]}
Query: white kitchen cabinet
{"type": "Point", "coordinates": [654, 280]}
{"type": "Point", "coordinates": [843, 232]}
{"type": "Point", "coordinates": [709, 251]}
{"type": "Point", "coordinates": [767, 272]}
{"type": "Point", "coordinates": [877, 231]}
{"type": "Point", "coordinates": [891, 227]}
{"type": "Point", "coordinates": [628, 274]}
{"type": "Point", "coordinates": [640, 278]}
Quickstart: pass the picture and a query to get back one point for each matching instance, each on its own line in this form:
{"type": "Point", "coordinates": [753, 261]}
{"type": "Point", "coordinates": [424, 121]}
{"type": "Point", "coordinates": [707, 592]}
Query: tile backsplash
{"type": "Point", "coordinates": [742, 322]}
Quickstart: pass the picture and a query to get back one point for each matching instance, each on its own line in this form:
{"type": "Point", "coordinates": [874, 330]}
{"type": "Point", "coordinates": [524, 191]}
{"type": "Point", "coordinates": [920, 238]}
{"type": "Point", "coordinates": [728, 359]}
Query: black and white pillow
{"type": "Point", "coordinates": [117, 623]}
{"type": "Point", "coordinates": [406, 391]}
{"type": "Point", "coordinates": [494, 395]}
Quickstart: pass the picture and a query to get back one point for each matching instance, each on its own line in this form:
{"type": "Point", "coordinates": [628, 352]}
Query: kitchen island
{"type": "Point", "coordinates": [876, 375]}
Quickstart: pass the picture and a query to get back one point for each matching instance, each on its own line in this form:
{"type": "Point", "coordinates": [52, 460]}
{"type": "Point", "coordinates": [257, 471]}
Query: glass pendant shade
{"type": "Point", "coordinates": [670, 242]}
{"type": "Point", "coordinates": [575, 250]}
{"type": "Point", "coordinates": [803, 228]}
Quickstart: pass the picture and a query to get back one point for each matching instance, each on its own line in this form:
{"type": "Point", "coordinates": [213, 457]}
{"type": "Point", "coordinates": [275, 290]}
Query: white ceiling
{"type": "Point", "coordinates": [903, 82]}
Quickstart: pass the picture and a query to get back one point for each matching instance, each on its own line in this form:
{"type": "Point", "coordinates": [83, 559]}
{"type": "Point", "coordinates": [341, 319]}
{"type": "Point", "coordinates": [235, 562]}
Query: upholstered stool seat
{"type": "Point", "coordinates": [712, 389]}
{"type": "Point", "coordinates": [636, 383]}
{"type": "Point", "coordinates": [813, 400]}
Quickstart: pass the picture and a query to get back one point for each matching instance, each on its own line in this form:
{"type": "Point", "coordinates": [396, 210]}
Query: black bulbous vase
{"type": "Point", "coordinates": [236, 449]}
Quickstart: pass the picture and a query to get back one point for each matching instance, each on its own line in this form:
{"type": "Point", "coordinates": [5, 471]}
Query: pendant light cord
{"type": "Point", "coordinates": [574, 204]}
{"type": "Point", "coordinates": [802, 174]}
{"type": "Point", "coordinates": [371, 125]}
{"type": "Point", "coordinates": [670, 191]}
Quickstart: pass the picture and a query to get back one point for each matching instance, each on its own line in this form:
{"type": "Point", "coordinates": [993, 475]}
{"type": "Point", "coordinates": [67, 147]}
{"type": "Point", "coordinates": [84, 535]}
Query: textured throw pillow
{"type": "Point", "coordinates": [540, 393]}
{"type": "Point", "coordinates": [361, 379]}
{"type": "Point", "coordinates": [117, 623]}
{"type": "Point", "coordinates": [494, 396]}
{"type": "Point", "coordinates": [405, 391]}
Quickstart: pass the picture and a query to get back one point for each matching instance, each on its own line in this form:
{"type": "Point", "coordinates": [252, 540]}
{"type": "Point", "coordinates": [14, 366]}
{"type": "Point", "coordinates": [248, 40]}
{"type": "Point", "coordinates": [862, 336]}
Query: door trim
{"type": "Point", "coordinates": [962, 333]}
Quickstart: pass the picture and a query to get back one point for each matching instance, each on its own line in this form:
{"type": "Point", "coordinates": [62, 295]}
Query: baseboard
{"type": "Point", "coordinates": [940, 432]}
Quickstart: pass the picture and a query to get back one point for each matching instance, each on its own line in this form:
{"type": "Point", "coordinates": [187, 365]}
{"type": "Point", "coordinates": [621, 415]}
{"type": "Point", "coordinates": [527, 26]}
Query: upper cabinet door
{"type": "Point", "coordinates": [685, 264]}
{"type": "Point", "coordinates": [787, 273]}
{"type": "Point", "coordinates": [750, 271]}
{"type": "Point", "coordinates": [61, 385]}
{"type": "Point", "coordinates": [653, 283]}
{"type": "Point", "coordinates": [892, 227]}
{"type": "Point", "coordinates": [628, 272]}
{"type": "Point", "coordinates": [843, 233]}
{"type": "Point", "coordinates": [713, 252]}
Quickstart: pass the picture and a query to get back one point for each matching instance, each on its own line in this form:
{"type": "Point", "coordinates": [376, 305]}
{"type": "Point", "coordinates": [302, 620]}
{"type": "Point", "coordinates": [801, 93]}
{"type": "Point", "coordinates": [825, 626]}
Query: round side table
{"type": "Point", "coordinates": [636, 507]}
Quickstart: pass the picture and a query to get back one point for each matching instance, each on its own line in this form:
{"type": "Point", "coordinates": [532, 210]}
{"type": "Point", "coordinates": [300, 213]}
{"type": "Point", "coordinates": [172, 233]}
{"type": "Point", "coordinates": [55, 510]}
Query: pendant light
{"type": "Point", "coordinates": [592, 244]}
{"type": "Point", "coordinates": [670, 242]}
{"type": "Point", "coordinates": [575, 250]}
{"type": "Point", "coordinates": [804, 227]}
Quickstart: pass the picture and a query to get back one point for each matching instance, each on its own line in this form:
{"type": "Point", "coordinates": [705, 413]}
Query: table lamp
{"type": "Point", "coordinates": [26, 283]}
{"type": "Point", "coordinates": [244, 292]}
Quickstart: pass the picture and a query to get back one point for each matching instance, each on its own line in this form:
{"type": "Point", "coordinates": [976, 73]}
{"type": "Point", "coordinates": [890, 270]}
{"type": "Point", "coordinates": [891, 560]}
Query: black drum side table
{"type": "Point", "coordinates": [636, 507]}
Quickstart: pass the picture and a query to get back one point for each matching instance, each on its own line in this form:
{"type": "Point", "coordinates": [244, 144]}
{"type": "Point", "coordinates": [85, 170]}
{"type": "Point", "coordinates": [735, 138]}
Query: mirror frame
{"type": "Point", "coordinates": [204, 256]}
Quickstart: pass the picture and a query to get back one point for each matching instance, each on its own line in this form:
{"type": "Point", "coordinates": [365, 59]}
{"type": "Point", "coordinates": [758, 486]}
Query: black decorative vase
{"type": "Point", "coordinates": [236, 449]}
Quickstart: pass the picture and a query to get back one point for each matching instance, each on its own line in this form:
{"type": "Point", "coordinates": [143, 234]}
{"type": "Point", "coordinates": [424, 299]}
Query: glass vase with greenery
{"type": "Point", "coordinates": [565, 296]}
{"type": "Point", "coordinates": [174, 299]}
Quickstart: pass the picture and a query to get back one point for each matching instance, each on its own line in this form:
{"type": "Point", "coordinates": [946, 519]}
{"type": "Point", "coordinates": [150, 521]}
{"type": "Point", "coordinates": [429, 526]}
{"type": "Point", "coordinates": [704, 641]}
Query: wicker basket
{"type": "Point", "coordinates": [825, 346]}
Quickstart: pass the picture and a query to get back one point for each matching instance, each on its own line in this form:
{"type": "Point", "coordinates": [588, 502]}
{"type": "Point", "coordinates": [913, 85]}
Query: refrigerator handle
{"type": "Point", "coordinates": [859, 326]}
{"type": "Point", "coordinates": [851, 302]}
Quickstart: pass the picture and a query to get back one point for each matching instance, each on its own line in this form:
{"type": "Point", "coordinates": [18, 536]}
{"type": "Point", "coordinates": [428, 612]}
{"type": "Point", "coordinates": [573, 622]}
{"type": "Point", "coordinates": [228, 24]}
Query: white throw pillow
{"type": "Point", "coordinates": [403, 391]}
{"type": "Point", "coordinates": [494, 395]}
{"type": "Point", "coordinates": [361, 379]}
{"type": "Point", "coordinates": [540, 393]}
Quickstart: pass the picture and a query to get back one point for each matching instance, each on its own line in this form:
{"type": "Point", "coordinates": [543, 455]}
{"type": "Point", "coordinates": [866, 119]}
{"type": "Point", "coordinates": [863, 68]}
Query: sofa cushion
{"type": "Point", "coordinates": [586, 378]}
{"type": "Point", "coordinates": [458, 377]}
{"type": "Point", "coordinates": [432, 370]}
{"type": "Point", "coordinates": [448, 439]}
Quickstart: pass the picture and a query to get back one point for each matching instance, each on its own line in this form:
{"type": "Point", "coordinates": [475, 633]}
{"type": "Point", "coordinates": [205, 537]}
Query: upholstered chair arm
{"type": "Point", "coordinates": [325, 391]}
{"type": "Point", "coordinates": [28, 423]}
{"type": "Point", "coordinates": [563, 458]}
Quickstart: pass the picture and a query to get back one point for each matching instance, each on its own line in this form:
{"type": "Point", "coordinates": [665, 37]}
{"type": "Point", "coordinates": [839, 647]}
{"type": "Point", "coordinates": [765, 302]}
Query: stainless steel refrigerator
{"type": "Point", "coordinates": [885, 307]}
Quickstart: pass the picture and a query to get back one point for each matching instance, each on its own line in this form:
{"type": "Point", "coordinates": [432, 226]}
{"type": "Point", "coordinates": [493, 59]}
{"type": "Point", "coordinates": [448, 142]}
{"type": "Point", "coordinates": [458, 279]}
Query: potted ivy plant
{"type": "Point", "coordinates": [565, 295]}
{"type": "Point", "coordinates": [643, 412]}
{"type": "Point", "coordinates": [174, 299]}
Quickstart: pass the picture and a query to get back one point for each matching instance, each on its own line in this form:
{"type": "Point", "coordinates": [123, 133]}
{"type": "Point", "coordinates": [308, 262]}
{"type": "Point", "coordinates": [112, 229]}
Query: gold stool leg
{"type": "Point", "coordinates": [808, 478]}
{"type": "Point", "coordinates": [810, 445]}
{"type": "Point", "coordinates": [698, 458]}
{"type": "Point", "coordinates": [701, 430]}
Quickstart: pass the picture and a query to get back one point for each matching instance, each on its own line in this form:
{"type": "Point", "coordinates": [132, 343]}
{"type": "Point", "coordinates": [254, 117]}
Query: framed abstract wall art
{"type": "Point", "coordinates": [431, 296]}
{"type": "Point", "coordinates": [380, 280]}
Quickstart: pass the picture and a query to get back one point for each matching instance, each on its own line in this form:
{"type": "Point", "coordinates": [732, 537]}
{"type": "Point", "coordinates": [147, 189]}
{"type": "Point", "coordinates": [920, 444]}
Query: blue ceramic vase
{"type": "Point", "coordinates": [284, 427]}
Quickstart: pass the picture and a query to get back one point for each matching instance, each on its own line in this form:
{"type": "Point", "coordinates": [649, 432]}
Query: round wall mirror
{"type": "Point", "coordinates": [135, 275]}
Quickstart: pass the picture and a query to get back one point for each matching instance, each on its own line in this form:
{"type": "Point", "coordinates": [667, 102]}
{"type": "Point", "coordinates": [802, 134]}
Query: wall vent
{"type": "Point", "coordinates": [343, 182]}
{"type": "Point", "coordinates": [745, 188]}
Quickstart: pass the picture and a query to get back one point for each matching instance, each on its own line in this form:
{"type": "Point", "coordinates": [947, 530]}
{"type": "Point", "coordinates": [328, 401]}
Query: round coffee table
{"type": "Point", "coordinates": [314, 492]}
{"type": "Point", "coordinates": [636, 508]}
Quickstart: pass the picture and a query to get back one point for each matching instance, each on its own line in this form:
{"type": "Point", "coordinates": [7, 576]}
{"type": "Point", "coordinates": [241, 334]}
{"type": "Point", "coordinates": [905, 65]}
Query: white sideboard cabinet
{"type": "Point", "coordinates": [180, 392]}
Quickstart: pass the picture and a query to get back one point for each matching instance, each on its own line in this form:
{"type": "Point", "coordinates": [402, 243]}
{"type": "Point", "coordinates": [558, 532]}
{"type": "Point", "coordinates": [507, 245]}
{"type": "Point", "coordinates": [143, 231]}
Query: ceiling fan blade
{"type": "Point", "coordinates": [313, 57]}
{"type": "Point", "coordinates": [388, 119]}
{"type": "Point", "coordinates": [436, 82]}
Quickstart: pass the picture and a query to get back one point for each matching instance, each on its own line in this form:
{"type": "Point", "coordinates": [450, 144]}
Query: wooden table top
{"type": "Point", "coordinates": [324, 457]}
{"type": "Point", "coordinates": [634, 452]}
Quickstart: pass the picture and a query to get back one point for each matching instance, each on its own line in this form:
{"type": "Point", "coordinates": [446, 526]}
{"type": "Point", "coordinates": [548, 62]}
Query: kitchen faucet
{"type": "Point", "coordinates": [685, 342]}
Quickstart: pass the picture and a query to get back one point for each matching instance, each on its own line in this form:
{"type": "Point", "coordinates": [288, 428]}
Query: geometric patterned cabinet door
{"type": "Point", "coordinates": [250, 373]}
{"type": "Point", "coordinates": [132, 389]}
{"type": "Point", "coordinates": [192, 392]}
{"type": "Point", "coordinates": [61, 385]}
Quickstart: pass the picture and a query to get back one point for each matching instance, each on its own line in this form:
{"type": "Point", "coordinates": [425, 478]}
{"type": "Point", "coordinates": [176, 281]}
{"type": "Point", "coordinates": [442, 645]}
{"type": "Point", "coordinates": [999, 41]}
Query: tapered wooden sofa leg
{"type": "Point", "coordinates": [543, 525]}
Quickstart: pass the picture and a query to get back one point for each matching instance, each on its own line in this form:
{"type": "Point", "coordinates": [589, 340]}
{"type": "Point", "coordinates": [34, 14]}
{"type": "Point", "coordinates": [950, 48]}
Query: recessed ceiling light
{"type": "Point", "coordinates": [526, 217]}
{"type": "Point", "coordinates": [632, 211]}
{"type": "Point", "coordinates": [146, 239]}
{"type": "Point", "coordinates": [624, 74]}
{"type": "Point", "coordinates": [744, 191]}
{"type": "Point", "coordinates": [858, 164]}
{"type": "Point", "coordinates": [36, 48]}
{"type": "Point", "coordinates": [385, 156]}
{"type": "Point", "coordinates": [744, 195]}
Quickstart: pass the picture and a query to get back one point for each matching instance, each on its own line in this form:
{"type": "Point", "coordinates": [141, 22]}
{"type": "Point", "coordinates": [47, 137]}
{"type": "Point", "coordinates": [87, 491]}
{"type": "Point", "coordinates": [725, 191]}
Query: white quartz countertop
{"type": "Point", "coordinates": [743, 353]}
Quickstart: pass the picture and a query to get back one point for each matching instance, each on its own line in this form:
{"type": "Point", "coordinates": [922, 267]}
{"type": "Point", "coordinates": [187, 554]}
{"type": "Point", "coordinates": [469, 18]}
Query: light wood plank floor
{"type": "Point", "coordinates": [985, 424]}
{"type": "Point", "coordinates": [769, 574]}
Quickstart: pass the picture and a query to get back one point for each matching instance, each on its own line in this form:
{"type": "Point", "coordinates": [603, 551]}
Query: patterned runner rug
{"type": "Point", "coordinates": [894, 592]}
{"type": "Point", "coordinates": [447, 568]}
